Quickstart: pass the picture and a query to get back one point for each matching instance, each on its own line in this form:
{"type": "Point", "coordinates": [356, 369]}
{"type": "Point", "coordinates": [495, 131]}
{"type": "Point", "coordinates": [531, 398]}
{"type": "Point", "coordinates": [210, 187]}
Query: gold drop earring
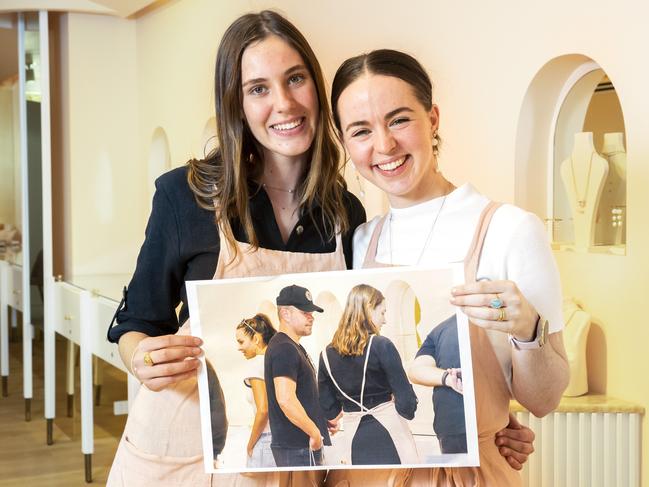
{"type": "Point", "coordinates": [435, 143]}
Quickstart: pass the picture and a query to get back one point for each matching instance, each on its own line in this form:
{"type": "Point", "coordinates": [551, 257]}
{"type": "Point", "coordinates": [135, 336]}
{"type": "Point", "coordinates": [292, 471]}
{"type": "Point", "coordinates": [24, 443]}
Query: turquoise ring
{"type": "Point", "coordinates": [496, 302]}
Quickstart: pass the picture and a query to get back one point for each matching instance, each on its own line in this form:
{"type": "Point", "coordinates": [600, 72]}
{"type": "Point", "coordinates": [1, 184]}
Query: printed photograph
{"type": "Point", "coordinates": [351, 369]}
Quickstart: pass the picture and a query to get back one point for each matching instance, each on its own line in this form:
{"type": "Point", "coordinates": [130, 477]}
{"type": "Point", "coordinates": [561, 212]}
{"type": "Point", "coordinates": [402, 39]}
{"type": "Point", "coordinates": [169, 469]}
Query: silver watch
{"type": "Point", "coordinates": [538, 341]}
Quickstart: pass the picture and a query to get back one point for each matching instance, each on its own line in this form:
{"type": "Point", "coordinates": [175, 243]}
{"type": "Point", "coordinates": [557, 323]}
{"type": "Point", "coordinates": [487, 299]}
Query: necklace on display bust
{"type": "Point", "coordinates": [428, 237]}
{"type": "Point", "coordinates": [581, 200]}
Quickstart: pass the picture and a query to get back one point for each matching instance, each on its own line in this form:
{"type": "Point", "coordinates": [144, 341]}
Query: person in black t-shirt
{"type": "Point", "coordinates": [437, 364]}
{"type": "Point", "coordinates": [297, 424]}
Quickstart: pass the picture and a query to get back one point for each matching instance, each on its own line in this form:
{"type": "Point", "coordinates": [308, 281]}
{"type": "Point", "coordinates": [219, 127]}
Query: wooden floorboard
{"type": "Point", "coordinates": [25, 458]}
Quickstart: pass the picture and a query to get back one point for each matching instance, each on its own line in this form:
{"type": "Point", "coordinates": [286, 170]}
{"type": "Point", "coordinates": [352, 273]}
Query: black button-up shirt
{"type": "Point", "coordinates": [182, 243]}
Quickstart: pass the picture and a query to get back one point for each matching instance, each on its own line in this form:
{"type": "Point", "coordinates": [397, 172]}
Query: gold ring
{"type": "Point", "coordinates": [147, 359]}
{"type": "Point", "coordinates": [502, 316]}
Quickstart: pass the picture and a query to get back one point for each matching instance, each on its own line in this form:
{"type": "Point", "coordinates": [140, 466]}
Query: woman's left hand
{"type": "Point", "coordinates": [497, 305]}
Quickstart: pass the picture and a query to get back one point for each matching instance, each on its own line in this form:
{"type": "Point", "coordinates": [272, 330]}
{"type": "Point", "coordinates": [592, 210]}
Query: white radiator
{"type": "Point", "coordinates": [584, 449]}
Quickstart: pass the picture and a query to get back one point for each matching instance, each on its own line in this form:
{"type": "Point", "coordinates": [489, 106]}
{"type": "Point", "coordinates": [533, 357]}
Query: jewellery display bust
{"type": "Point", "coordinates": [613, 202]}
{"type": "Point", "coordinates": [575, 337]}
{"type": "Point", "coordinates": [584, 174]}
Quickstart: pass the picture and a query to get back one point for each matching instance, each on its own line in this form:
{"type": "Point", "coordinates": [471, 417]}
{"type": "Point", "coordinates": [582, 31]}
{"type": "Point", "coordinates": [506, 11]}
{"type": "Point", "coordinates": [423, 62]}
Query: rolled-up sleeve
{"type": "Point", "coordinates": [149, 304]}
{"type": "Point", "coordinates": [405, 399]}
{"type": "Point", "coordinates": [329, 403]}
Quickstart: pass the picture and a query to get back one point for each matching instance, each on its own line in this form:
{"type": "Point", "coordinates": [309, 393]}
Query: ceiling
{"type": "Point", "coordinates": [120, 8]}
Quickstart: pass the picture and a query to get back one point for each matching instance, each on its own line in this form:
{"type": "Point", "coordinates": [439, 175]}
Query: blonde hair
{"type": "Point", "coordinates": [356, 325]}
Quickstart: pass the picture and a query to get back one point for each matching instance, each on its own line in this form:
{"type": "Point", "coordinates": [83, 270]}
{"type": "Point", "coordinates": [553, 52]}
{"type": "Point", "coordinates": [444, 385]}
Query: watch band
{"type": "Point", "coordinates": [444, 377]}
{"type": "Point", "coordinates": [537, 342]}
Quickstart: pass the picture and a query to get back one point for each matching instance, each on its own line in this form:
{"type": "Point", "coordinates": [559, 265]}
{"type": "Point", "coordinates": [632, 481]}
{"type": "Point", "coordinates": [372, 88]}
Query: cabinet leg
{"type": "Point", "coordinates": [70, 405]}
{"type": "Point", "coordinates": [88, 467]}
{"type": "Point", "coordinates": [5, 385]}
{"type": "Point", "coordinates": [50, 431]}
{"type": "Point", "coordinates": [28, 409]}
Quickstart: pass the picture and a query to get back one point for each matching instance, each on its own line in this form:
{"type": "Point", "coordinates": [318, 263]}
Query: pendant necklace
{"type": "Point", "coordinates": [430, 233]}
{"type": "Point", "coordinates": [581, 201]}
{"type": "Point", "coordinates": [288, 191]}
{"type": "Point", "coordinates": [291, 191]}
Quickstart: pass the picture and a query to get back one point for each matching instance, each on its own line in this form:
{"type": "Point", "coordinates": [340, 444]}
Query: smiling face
{"type": "Point", "coordinates": [247, 345]}
{"type": "Point", "coordinates": [280, 101]}
{"type": "Point", "coordinates": [388, 134]}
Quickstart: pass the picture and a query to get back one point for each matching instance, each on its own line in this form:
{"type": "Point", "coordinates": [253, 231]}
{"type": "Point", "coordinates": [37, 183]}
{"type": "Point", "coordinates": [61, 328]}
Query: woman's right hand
{"type": "Point", "coordinates": [174, 359]}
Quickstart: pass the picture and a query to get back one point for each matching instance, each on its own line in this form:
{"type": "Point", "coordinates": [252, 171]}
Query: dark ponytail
{"type": "Point", "coordinates": [260, 323]}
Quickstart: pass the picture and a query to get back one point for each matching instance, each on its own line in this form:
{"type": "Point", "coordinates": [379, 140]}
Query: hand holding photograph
{"type": "Point", "coordinates": [346, 369]}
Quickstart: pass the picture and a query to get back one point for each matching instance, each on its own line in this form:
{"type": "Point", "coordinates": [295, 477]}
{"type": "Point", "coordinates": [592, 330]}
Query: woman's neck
{"type": "Point", "coordinates": [283, 172]}
{"type": "Point", "coordinates": [427, 189]}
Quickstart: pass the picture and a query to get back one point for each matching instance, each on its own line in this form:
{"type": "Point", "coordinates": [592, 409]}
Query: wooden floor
{"type": "Point", "coordinates": [25, 458]}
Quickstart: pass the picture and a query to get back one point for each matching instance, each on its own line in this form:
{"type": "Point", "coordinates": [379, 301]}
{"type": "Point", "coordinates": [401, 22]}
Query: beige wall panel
{"type": "Point", "coordinates": [7, 163]}
{"type": "Point", "coordinates": [103, 166]}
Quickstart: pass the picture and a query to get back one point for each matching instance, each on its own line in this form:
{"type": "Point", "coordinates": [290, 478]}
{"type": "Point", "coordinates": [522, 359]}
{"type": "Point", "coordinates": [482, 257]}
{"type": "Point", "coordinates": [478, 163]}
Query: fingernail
{"type": "Point", "coordinates": [453, 300]}
{"type": "Point", "coordinates": [198, 341]}
{"type": "Point", "coordinates": [196, 351]}
{"type": "Point", "coordinates": [454, 290]}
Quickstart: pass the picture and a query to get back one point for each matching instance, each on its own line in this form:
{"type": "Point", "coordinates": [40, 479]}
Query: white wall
{"type": "Point", "coordinates": [102, 166]}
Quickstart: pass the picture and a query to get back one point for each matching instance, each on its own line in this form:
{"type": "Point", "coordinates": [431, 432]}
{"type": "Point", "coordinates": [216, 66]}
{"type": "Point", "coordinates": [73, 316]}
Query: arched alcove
{"type": "Point", "coordinates": [159, 157]}
{"type": "Point", "coordinates": [570, 155]}
{"type": "Point", "coordinates": [209, 140]}
{"type": "Point", "coordinates": [401, 324]}
{"type": "Point", "coordinates": [403, 315]}
{"type": "Point", "coordinates": [269, 309]}
{"type": "Point", "coordinates": [327, 321]}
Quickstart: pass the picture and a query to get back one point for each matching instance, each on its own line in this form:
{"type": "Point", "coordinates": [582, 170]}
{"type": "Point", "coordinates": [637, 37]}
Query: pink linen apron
{"type": "Point", "coordinates": [161, 445]}
{"type": "Point", "coordinates": [386, 414]}
{"type": "Point", "coordinates": [491, 397]}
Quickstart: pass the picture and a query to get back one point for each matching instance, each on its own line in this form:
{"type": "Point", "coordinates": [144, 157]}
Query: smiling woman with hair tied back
{"type": "Point", "coordinates": [384, 111]}
{"type": "Point", "coordinates": [253, 335]}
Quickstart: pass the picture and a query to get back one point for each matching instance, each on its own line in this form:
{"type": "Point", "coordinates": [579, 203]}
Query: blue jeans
{"type": "Point", "coordinates": [262, 456]}
{"type": "Point", "coordinates": [297, 457]}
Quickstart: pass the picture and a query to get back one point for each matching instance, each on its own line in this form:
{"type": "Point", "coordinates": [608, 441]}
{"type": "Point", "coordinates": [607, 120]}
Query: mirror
{"type": "Point", "coordinates": [10, 180]}
{"type": "Point", "coordinates": [34, 256]}
{"type": "Point", "coordinates": [589, 207]}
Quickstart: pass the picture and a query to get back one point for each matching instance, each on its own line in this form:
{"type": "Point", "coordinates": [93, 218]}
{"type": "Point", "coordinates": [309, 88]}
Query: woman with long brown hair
{"type": "Point", "coordinates": [270, 199]}
{"type": "Point", "coordinates": [361, 377]}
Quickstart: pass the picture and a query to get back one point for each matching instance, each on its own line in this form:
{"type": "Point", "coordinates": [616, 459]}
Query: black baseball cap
{"type": "Point", "coordinates": [297, 296]}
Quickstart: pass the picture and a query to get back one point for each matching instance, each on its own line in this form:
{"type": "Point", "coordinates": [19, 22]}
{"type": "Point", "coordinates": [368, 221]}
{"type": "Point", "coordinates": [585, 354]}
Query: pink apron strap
{"type": "Point", "coordinates": [472, 258]}
{"type": "Point", "coordinates": [370, 254]}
